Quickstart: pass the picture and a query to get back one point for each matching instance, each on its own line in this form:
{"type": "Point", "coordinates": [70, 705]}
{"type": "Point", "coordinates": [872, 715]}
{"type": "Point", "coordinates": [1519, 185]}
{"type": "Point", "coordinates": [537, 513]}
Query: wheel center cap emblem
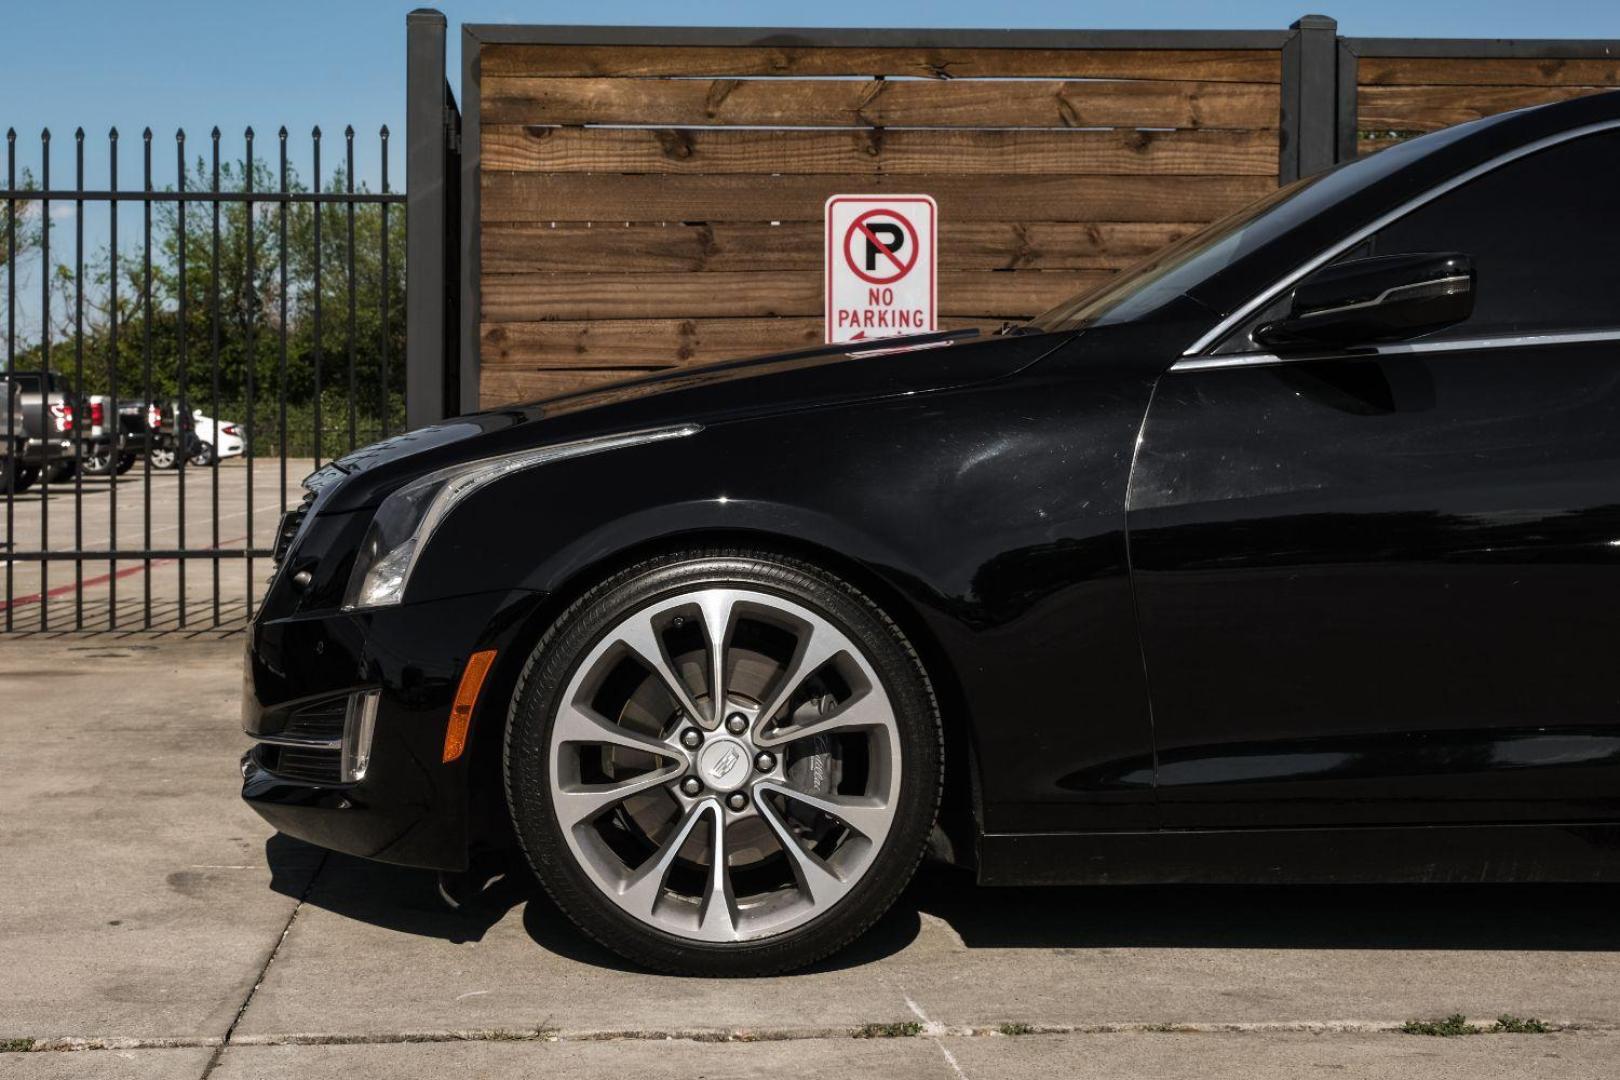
{"type": "Point", "coordinates": [723, 765]}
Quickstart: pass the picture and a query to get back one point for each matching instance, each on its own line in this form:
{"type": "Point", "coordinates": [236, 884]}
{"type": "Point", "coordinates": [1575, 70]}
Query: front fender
{"type": "Point", "coordinates": [994, 513]}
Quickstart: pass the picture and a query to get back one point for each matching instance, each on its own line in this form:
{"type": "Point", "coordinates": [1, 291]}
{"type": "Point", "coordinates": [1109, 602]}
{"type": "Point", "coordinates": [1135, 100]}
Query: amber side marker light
{"type": "Point", "coordinates": [472, 681]}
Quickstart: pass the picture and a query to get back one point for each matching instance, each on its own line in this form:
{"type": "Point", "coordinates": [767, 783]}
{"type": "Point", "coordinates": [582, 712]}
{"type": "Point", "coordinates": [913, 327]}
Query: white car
{"type": "Point", "coordinates": [216, 439]}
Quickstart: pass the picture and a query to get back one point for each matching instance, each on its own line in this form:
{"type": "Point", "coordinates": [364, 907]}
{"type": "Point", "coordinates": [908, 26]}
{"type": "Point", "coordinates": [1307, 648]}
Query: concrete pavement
{"type": "Point", "coordinates": [152, 926]}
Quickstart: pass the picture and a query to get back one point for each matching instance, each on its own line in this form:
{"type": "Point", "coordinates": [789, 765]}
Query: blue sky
{"type": "Point", "coordinates": [299, 62]}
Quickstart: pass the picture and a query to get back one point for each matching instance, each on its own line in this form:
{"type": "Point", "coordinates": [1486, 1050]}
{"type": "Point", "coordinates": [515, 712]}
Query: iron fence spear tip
{"type": "Point", "coordinates": [282, 134]}
{"type": "Point", "coordinates": [215, 132]}
{"type": "Point", "coordinates": [147, 134]}
{"type": "Point", "coordinates": [45, 135]}
{"type": "Point", "coordinates": [78, 133]}
{"type": "Point", "coordinates": [384, 131]}
{"type": "Point", "coordinates": [112, 133]}
{"type": "Point", "coordinates": [348, 131]}
{"type": "Point", "coordinates": [316, 131]}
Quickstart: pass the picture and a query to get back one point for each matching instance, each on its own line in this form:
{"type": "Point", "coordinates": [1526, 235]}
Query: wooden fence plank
{"type": "Point", "coordinates": [531, 197]}
{"type": "Point", "coordinates": [845, 103]}
{"type": "Point", "coordinates": [535, 148]}
{"type": "Point", "coordinates": [1429, 108]}
{"type": "Point", "coordinates": [1207, 65]}
{"type": "Point", "coordinates": [536, 297]}
{"type": "Point", "coordinates": [1486, 71]}
{"type": "Point", "coordinates": [636, 343]}
{"type": "Point", "coordinates": [504, 386]}
{"type": "Point", "coordinates": [796, 245]}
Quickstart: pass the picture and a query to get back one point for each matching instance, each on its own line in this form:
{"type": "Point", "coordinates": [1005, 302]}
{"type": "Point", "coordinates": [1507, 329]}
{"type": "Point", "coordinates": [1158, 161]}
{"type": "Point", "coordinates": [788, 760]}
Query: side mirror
{"type": "Point", "coordinates": [1366, 301]}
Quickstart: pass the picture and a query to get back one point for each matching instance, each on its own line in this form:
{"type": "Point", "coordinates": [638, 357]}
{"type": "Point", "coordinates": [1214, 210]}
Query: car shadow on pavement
{"type": "Point", "coordinates": [408, 901]}
{"type": "Point", "coordinates": [1484, 917]}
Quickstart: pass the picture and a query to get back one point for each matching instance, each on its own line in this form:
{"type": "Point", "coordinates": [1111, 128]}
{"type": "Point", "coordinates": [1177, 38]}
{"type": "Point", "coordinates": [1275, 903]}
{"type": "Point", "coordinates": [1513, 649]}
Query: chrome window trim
{"type": "Point", "coordinates": [1266, 296]}
{"type": "Point", "coordinates": [1508, 341]}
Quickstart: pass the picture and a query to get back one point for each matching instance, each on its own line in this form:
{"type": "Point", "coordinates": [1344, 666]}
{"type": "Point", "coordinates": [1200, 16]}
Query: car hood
{"type": "Point", "coordinates": [716, 393]}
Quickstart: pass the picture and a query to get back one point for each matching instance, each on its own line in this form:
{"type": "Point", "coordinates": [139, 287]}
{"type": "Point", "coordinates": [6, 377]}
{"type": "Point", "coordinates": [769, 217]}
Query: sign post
{"type": "Point", "coordinates": [882, 266]}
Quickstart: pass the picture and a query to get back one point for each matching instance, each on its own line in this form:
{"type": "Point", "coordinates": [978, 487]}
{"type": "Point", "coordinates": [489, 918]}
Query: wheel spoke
{"type": "Point", "coordinates": [717, 606]}
{"type": "Point", "coordinates": [640, 636]}
{"type": "Point", "coordinates": [581, 803]}
{"type": "Point", "coordinates": [866, 815]}
{"type": "Point", "coordinates": [815, 647]}
{"type": "Point", "coordinates": [818, 883]}
{"type": "Point", "coordinates": [870, 710]}
{"type": "Point", "coordinates": [579, 724]}
{"type": "Point", "coordinates": [640, 892]}
{"type": "Point", "coordinates": [718, 918]}
{"type": "Point", "coordinates": [752, 893]}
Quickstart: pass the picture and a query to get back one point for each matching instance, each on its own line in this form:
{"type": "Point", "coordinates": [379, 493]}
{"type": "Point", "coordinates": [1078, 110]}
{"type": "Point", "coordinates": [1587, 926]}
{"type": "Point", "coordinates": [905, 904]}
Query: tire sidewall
{"type": "Point", "coordinates": [551, 668]}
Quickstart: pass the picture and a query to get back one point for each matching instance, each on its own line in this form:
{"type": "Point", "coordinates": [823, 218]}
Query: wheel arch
{"type": "Point", "coordinates": [960, 812]}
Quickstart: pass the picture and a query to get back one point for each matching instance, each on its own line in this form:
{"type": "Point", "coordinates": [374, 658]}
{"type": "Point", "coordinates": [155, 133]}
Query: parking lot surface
{"type": "Point", "coordinates": [197, 510]}
{"type": "Point", "coordinates": [152, 926]}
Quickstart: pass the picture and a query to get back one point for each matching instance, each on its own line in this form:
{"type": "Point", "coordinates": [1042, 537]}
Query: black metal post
{"type": "Point", "coordinates": [1310, 98]}
{"type": "Point", "coordinates": [428, 330]}
{"type": "Point", "coordinates": [182, 387]}
{"type": "Point", "coordinates": [45, 367]}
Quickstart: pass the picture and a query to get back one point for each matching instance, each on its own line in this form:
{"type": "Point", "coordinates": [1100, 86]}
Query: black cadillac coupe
{"type": "Point", "coordinates": [1292, 554]}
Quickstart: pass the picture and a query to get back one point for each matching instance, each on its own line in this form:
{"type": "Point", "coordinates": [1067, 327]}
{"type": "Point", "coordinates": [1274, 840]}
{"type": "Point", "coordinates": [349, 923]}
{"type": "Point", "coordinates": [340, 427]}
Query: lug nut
{"type": "Point", "coordinates": [691, 738]}
{"type": "Point", "coordinates": [691, 785]}
{"type": "Point", "coordinates": [736, 723]}
{"type": "Point", "coordinates": [764, 761]}
{"type": "Point", "coordinates": [737, 800]}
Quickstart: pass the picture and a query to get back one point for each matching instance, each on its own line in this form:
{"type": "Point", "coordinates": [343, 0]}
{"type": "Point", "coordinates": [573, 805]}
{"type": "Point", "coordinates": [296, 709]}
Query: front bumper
{"type": "Point", "coordinates": [410, 806]}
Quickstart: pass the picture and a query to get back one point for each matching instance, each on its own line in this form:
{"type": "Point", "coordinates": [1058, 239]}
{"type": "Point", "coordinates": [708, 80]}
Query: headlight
{"type": "Point", "coordinates": [406, 520]}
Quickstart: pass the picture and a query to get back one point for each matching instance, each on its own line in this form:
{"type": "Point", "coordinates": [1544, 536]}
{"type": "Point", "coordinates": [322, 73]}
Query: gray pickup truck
{"type": "Point", "coordinates": [49, 411]}
{"type": "Point", "coordinates": [116, 433]}
{"type": "Point", "coordinates": [11, 433]}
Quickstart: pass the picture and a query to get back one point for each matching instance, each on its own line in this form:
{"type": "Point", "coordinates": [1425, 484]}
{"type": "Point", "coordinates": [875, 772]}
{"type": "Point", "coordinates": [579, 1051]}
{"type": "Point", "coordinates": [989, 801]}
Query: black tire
{"type": "Point", "coordinates": [203, 456]}
{"type": "Point", "coordinates": [126, 462]}
{"type": "Point", "coordinates": [61, 471]}
{"type": "Point", "coordinates": [26, 476]}
{"type": "Point", "coordinates": [8, 473]}
{"type": "Point", "coordinates": [533, 712]}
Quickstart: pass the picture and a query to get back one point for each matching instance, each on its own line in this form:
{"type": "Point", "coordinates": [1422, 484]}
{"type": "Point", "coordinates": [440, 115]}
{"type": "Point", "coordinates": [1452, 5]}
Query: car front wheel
{"type": "Point", "coordinates": [724, 762]}
{"type": "Point", "coordinates": [162, 457]}
{"type": "Point", "coordinates": [203, 455]}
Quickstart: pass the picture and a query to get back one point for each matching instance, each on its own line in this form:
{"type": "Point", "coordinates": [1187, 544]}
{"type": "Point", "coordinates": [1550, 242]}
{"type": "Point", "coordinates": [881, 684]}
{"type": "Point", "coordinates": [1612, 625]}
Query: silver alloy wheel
{"type": "Point", "coordinates": [162, 457]}
{"type": "Point", "coordinates": [650, 810]}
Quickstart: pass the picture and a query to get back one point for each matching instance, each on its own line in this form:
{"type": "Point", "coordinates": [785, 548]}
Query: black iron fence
{"type": "Point", "coordinates": [178, 354]}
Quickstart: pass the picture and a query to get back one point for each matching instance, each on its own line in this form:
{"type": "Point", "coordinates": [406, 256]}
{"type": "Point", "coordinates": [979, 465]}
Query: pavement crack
{"type": "Point", "coordinates": [264, 969]}
{"type": "Point", "coordinates": [934, 1030]}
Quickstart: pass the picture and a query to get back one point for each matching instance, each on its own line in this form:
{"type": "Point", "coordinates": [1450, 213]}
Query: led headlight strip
{"type": "Point", "coordinates": [406, 520]}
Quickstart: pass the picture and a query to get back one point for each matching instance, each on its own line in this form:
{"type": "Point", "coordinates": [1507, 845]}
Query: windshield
{"type": "Point", "coordinates": [1169, 272]}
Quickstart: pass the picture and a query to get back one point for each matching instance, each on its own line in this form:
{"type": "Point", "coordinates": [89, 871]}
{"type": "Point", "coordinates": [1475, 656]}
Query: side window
{"type": "Point", "coordinates": [1544, 232]}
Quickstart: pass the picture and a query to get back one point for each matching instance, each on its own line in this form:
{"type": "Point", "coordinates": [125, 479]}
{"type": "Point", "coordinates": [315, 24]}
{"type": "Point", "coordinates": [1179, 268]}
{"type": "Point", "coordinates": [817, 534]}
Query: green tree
{"type": "Point", "coordinates": [244, 302]}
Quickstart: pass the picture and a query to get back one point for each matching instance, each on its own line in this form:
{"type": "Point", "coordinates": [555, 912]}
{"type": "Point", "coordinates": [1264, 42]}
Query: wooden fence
{"type": "Point", "coordinates": [635, 199]}
{"type": "Point", "coordinates": [1404, 89]}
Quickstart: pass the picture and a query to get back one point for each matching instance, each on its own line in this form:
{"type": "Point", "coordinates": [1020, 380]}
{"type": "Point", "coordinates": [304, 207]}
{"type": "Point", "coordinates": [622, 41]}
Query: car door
{"type": "Point", "coordinates": [1383, 585]}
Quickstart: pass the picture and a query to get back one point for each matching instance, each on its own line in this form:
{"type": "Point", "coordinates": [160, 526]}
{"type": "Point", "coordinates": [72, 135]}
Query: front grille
{"type": "Point", "coordinates": [307, 764]}
{"type": "Point", "coordinates": [287, 531]}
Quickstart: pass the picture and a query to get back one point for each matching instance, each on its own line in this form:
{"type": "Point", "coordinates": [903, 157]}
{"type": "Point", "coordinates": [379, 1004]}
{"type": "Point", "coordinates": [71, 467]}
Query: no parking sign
{"type": "Point", "coordinates": [881, 259]}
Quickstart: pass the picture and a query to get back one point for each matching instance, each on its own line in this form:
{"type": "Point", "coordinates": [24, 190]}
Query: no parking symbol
{"type": "Point", "coordinates": [881, 259]}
